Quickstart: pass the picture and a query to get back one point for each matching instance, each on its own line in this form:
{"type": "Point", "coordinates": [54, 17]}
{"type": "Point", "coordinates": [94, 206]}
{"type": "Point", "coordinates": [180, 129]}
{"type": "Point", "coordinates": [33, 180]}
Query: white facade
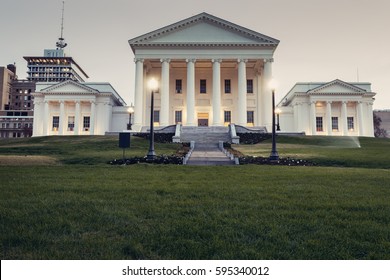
{"type": "Point", "coordinates": [334, 108]}
{"type": "Point", "coordinates": [211, 72]}
{"type": "Point", "coordinates": [73, 108]}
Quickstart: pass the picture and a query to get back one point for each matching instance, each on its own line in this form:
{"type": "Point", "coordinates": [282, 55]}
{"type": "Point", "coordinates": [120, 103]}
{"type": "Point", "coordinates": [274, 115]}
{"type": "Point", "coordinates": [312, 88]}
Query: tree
{"type": "Point", "coordinates": [378, 131]}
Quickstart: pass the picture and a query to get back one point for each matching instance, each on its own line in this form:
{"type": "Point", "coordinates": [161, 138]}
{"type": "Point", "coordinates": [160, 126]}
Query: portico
{"type": "Point", "coordinates": [206, 66]}
{"type": "Point", "coordinates": [336, 108]}
{"type": "Point", "coordinates": [72, 108]}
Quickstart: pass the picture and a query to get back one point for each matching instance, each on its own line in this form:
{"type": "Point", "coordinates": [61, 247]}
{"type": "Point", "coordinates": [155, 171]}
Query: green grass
{"type": "Point", "coordinates": [98, 211]}
{"type": "Point", "coordinates": [80, 149]}
{"type": "Point", "coordinates": [328, 151]}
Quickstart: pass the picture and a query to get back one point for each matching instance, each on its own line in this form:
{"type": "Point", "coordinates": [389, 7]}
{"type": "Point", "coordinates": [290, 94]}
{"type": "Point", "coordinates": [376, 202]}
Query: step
{"type": "Point", "coordinates": [208, 154]}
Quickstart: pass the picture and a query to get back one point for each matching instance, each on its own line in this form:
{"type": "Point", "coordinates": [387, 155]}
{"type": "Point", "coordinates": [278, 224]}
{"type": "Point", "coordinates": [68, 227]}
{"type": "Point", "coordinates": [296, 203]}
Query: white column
{"type": "Point", "coordinates": [344, 117]}
{"type": "Point", "coordinates": [259, 99]}
{"type": "Point", "coordinates": [77, 117]}
{"type": "Point", "coordinates": [313, 118]}
{"type": "Point", "coordinates": [46, 117]}
{"type": "Point", "coordinates": [242, 108]}
{"type": "Point", "coordinates": [164, 111]}
{"type": "Point", "coordinates": [139, 92]}
{"type": "Point", "coordinates": [267, 94]}
{"type": "Point", "coordinates": [296, 117]}
{"type": "Point", "coordinates": [217, 92]}
{"type": "Point", "coordinates": [370, 120]}
{"type": "Point", "coordinates": [191, 92]}
{"type": "Point", "coordinates": [92, 118]}
{"type": "Point", "coordinates": [360, 118]}
{"type": "Point", "coordinates": [37, 121]}
{"type": "Point", "coordinates": [329, 117]}
{"type": "Point", "coordinates": [62, 123]}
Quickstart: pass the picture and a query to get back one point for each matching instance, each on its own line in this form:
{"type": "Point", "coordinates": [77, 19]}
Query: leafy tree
{"type": "Point", "coordinates": [378, 131]}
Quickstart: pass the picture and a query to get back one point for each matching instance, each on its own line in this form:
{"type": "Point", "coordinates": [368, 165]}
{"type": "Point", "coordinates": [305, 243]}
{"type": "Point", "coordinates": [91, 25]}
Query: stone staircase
{"type": "Point", "coordinates": [209, 135]}
{"type": "Point", "coordinates": [206, 151]}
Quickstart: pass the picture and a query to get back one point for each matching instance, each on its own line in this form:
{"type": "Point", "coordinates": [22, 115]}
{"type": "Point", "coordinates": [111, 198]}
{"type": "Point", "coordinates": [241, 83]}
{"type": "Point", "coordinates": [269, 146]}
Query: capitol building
{"type": "Point", "coordinates": [210, 72]}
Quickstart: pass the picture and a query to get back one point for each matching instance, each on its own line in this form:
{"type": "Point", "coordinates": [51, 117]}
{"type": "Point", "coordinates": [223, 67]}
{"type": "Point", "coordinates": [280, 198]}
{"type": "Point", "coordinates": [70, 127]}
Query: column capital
{"type": "Point", "coordinates": [242, 60]}
{"type": "Point", "coordinates": [312, 102]}
{"type": "Point", "coordinates": [216, 60]}
{"type": "Point", "coordinates": [328, 102]}
{"type": "Point", "coordinates": [193, 60]}
{"type": "Point", "coordinates": [139, 60]}
{"type": "Point", "coordinates": [268, 60]}
{"type": "Point", "coordinates": [165, 60]}
{"type": "Point", "coordinates": [344, 102]}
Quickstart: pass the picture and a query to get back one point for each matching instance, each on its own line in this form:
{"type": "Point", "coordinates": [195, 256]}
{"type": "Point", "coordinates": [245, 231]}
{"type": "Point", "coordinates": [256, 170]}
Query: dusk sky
{"type": "Point", "coordinates": [319, 40]}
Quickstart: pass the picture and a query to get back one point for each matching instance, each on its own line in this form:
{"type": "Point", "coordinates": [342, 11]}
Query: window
{"type": "Point", "coordinates": [319, 124]}
{"type": "Point", "coordinates": [178, 117]}
{"type": "Point", "coordinates": [335, 124]}
{"type": "Point", "coordinates": [249, 86]}
{"type": "Point", "coordinates": [250, 117]}
{"type": "Point", "coordinates": [70, 123]}
{"type": "Point", "coordinates": [202, 86]}
{"type": "Point", "coordinates": [86, 123]}
{"type": "Point", "coordinates": [350, 123]}
{"type": "Point", "coordinates": [156, 116]}
{"type": "Point", "coordinates": [179, 86]}
{"type": "Point", "coordinates": [56, 123]}
{"type": "Point", "coordinates": [227, 86]}
{"type": "Point", "coordinates": [228, 116]}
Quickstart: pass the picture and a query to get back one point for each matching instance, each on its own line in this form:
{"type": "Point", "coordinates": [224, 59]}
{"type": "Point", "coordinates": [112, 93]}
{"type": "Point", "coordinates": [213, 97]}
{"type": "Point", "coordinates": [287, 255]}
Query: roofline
{"type": "Point", "coordinates": [84, 84]}
{"type": "Point", "coordinates": [273, 42]}
{"type": "Point", "coordinates": [65, 57]}
{"type": "Point", "coordinates": [286, 96]}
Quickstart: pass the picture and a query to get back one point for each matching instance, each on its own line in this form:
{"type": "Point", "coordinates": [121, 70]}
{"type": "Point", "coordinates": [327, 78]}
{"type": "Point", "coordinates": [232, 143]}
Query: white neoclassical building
{"type": "Point", "coordinates": [334, 108]}
{"type": "Point", "coordinates": [75, 108]}
{"type": "Point", "coordinates": [211, 72]}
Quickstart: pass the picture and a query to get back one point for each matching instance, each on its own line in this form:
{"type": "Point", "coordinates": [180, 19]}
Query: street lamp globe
{"type": "Point", "coordinates": [153, 84]}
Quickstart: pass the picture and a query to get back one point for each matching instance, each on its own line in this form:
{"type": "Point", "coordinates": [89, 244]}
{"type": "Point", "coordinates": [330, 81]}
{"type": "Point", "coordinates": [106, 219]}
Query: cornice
{"type": "Point", "coordinates": [67, 82]}
{"type": "Point", "coordinates": [203, 45]}
{"type": "Point", "coordinates": [142, 41]}
{"type": "Point", "coordinates": [354, 89]}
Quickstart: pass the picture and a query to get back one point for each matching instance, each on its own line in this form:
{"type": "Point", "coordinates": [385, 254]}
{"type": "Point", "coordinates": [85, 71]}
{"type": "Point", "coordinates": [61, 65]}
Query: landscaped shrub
{"type": "Point", "coordinates": [158, 137]}
{"type": "Point", "coordinates": [282, 161]}
{"type": "Point", "coordinates": [163, 159]}
{"type": "Point", "coordinates": [253, 138]}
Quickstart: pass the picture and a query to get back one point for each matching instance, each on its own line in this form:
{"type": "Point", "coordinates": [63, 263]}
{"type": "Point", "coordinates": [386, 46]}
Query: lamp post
{"type": "Point", "coordinates": [130, 110]}
{"type": "Point", "coordinates": [274, 156]}
{"type": "Point", "coordinates": [151, 153]}
{"type": "Point", "coordinates": [277, 111]}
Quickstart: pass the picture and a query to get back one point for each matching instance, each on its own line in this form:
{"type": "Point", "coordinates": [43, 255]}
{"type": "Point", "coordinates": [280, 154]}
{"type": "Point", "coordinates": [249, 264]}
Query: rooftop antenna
{"type": "Point", "coordinates": [61, 41]}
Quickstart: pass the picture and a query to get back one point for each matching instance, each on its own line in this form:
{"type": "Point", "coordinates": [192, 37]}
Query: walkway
{"type": "Point", "coordinates": [206, 151]}
{"type": "Point", "coordinates": [208, 154]}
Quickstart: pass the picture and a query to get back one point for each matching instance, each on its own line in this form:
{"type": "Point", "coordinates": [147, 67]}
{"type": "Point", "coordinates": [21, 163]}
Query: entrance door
{"type": "Point", "coordinates": [203, 119]}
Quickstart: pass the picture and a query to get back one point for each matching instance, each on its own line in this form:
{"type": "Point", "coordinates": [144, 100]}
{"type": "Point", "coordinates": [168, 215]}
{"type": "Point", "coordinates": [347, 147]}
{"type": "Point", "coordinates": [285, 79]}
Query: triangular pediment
{"type": "Point", "coordinates": [70, 87]}
{"type": "Point", "coordinates": [203, 29]}
{"type": "Point", "coordinates": [335, 87]}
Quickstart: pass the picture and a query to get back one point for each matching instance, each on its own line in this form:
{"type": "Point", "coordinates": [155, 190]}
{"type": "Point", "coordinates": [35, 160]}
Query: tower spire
{"type": "Point", "coordinates": [61, 41]}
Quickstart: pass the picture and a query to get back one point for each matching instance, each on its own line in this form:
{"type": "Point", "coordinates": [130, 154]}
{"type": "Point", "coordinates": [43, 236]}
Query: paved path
{"type": "Point", "coordinates": [208, 154]}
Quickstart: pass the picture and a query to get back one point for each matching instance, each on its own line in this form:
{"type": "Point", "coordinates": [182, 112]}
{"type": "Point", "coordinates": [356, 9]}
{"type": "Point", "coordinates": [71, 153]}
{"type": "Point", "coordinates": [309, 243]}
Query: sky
{"type": "Point", "coordinates": [320, 40]}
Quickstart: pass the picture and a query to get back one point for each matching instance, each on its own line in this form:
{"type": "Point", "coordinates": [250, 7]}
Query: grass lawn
{"type": "Point", "coordinates": [78, 207]}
